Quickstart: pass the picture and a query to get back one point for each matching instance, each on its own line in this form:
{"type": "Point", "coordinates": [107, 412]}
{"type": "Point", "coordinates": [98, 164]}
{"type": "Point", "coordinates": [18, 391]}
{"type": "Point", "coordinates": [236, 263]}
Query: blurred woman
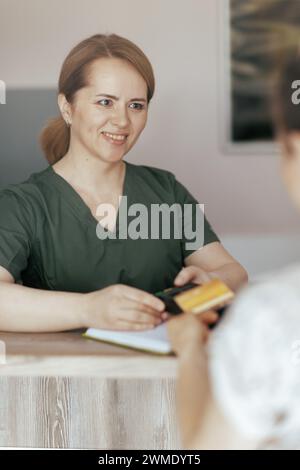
{"type": "Point", "coordinates": [239, 386]}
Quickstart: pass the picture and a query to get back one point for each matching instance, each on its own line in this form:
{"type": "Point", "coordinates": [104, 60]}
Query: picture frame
{"type": "Point", "coordinates": [252, 35]}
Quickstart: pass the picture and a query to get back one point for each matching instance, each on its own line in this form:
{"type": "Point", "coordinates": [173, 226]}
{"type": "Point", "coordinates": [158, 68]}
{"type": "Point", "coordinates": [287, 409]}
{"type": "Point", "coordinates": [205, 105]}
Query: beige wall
{"type": "Point", "coordinates": [242, 193]}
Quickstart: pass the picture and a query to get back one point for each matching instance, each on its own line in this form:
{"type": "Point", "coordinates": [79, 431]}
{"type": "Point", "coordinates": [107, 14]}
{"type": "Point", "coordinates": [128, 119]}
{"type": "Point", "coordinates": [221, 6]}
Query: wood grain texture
{"type": "Point", "coordinates": [58, 392]}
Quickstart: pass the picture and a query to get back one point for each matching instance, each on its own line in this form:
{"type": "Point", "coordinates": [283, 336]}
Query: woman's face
{"type": "Point", "coordinates": [114, 102]}
{"type": "Point", "coordinates": [290, 167]}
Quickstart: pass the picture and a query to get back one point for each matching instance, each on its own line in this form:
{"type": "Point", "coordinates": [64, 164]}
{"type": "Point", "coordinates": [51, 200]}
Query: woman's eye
{"type": "Point", "coordinates": [104, 102]}
{"type": "Point", "coordinates": [138, 105]}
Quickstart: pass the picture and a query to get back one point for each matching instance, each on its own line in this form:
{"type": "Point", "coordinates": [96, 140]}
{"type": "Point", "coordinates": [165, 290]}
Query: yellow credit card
{"type": "Point", "coordinates": [201, 298]}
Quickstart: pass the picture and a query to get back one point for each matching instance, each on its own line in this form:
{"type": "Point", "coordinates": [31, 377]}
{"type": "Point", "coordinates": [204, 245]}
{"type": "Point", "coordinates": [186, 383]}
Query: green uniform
{"type": "Point", "coordinates": [48, 236]}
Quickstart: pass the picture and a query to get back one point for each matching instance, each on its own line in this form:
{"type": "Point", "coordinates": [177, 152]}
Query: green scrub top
{"type": "Point", "coordinates": [48, 236]}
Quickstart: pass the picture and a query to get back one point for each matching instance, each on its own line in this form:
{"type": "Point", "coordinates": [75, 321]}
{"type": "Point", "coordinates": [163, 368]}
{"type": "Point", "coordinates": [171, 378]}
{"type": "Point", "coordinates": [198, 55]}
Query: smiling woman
{"type": "Point", "coordinates": [117, 119]}
{"type": "Point", "coordinates": [48, 224]}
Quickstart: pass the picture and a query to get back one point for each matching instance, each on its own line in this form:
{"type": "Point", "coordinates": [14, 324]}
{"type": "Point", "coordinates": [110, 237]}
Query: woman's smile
{"type": "Point", "coordinates": [115, 139]}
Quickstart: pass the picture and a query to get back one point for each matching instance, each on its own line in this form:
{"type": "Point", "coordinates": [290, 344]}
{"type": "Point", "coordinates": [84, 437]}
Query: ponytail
{"type": "Point", "coordinates": [55, 139]}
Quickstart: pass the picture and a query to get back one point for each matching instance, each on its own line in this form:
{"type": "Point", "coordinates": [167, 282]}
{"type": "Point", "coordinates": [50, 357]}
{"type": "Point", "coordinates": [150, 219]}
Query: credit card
{"type": "Point", "coordinates": [196, 298]}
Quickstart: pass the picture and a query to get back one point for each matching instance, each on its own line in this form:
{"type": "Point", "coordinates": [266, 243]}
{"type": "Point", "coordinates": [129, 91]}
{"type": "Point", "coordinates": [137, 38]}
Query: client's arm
{"type": "Point", "coordinates": [202, 423]}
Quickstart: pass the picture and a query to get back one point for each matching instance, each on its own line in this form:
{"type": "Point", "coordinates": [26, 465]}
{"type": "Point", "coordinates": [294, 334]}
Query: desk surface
{"type": "Point", "coordinates": [61, 390]}
{"type": "Point", "coordinates": [69, 354]}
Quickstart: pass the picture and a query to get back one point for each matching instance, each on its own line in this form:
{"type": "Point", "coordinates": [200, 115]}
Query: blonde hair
{"type": "Point", "coordinates": [55, 136]}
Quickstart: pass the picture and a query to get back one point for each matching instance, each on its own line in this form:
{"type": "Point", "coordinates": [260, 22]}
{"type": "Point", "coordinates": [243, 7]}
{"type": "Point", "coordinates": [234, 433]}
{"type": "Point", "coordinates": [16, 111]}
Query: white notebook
{"type": "Point", "coordinates": [154, 340]}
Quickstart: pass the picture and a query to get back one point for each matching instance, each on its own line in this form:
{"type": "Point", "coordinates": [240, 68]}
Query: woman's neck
{"type": "Point", "coordinates": [91, 174]}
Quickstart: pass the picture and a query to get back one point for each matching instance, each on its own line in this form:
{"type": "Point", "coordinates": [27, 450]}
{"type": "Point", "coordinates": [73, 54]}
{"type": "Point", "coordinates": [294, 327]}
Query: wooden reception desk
{"type": "Point", "coordinates": [59, 390]}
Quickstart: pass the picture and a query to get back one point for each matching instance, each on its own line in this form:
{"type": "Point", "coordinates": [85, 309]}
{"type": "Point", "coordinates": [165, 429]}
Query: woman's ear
{"type": "Point", "coordinates": [65, 108]}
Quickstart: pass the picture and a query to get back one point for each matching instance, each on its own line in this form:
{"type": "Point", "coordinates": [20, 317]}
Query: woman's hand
{"type": "Point", "coordinates": [187, 331]}
{"type": "Point", "coordinates": [192, 274]}
{"type": "Point", "coordinates": [121, 307]}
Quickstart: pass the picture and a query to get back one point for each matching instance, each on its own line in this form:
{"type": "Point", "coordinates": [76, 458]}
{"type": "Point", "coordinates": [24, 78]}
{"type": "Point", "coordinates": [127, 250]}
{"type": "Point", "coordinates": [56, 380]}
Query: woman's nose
{"type": "Point", "coordinates": [120, 118]}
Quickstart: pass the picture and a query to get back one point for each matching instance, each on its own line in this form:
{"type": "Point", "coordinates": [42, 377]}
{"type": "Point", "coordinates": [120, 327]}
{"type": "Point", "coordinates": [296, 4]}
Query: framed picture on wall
{"type": "Point", "coordinates": [254, 34]}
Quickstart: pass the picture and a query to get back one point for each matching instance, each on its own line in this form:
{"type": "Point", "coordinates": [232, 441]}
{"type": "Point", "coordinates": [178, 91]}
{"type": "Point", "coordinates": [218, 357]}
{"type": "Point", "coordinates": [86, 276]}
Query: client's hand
{"type": "Point", "coordinates": [192, 274]}
{"type": "Point", "coordinates": [187, 331]}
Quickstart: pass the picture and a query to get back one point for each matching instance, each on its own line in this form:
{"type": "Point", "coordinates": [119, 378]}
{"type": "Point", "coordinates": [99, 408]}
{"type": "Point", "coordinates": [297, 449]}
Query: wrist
{"type": "Point", "coordinates": [191, 350]}
{"type": "Point", "coordinates": [83, 310]}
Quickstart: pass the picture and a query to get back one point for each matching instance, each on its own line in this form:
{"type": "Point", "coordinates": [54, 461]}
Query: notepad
{"type": "Point", "coordinates": [154, 340]}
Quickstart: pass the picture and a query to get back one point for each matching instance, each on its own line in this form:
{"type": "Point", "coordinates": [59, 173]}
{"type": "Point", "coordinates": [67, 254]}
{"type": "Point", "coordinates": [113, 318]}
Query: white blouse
{"type": "Point", "coordinates": [254, 360]}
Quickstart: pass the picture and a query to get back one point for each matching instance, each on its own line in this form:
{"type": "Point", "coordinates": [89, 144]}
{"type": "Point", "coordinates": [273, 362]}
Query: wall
{"type": "Point", "coordinates": [243, 193]}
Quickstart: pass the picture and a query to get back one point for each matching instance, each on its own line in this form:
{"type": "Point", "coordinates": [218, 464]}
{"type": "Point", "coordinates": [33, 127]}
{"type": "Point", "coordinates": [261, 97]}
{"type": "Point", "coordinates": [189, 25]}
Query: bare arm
{"type": "Point", "coordinates": [202, 422]}
{"type": "Point", "coordinates": [119, 307]}
{"type": "Point", "coordinates": [192, 392]}
{"type": "Point", "coordinates": [215, 260]}
{"type": "Point", "coordinates": [211, 261]}
{"type": "Point", "coordinates": [23, 309]}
